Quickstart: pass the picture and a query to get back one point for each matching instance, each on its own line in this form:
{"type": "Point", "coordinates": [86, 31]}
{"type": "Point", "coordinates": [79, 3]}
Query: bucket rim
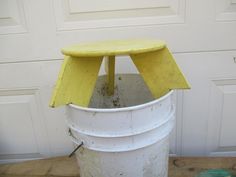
{"type": "Point", "coordinates": [123, 109]}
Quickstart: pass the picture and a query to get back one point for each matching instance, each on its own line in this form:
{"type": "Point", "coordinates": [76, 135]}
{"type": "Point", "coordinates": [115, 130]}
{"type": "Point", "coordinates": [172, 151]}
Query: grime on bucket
{"type": "Point", "coordinates": [79, 71]}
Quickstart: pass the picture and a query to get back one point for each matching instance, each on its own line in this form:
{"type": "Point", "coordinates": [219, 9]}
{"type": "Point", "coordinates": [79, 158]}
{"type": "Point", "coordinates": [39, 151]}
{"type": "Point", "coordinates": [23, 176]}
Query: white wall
{"type": "Point", "coordinates": [201, 34]}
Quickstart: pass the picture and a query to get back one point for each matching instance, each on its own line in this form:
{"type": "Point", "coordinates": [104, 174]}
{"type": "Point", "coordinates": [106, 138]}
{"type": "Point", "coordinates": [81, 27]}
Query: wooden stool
{"type": "Point", "coordinates": [82, 62]}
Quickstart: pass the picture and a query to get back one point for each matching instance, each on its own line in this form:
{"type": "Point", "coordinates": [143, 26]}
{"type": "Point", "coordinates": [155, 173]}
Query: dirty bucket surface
{"type": "Point", "coordinates": [126, 134]}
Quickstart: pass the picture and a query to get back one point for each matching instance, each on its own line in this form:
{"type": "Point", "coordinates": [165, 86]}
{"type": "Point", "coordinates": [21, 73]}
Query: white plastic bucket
{"type": "Point", "coordinates": [130, 141]}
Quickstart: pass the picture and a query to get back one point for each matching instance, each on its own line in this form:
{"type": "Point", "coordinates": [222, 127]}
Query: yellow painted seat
{"type": "Point", "coordinates": [114, 47]}
{"type": "Point", "coordinates": [82, 62]}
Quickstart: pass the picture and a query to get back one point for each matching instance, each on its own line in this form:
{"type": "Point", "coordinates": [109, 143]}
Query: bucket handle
{"type": "Point", "coordinates": [73, 138]}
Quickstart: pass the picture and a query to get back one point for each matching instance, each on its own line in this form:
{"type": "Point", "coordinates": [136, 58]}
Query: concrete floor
{"type": "Point", "coordinates": [67, 167]}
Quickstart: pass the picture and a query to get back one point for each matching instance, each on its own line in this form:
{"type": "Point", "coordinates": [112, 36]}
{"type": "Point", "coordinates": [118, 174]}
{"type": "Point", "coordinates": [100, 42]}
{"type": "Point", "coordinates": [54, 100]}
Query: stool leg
{"type": "Point", "coordinates": [76, 81]}
{"type": "Point", "coordinates": [110, 70]}
{"type": "Point", "coordinates": [160, 71]}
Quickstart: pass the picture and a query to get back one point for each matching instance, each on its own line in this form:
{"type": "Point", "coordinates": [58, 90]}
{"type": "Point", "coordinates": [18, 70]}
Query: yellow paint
{"type": "Point", "coordinates": [112, 48]}
{"type": "Point", "coordinates": [80, 69]}
{"type": "Point", "coordinates": [76, 81]}
{"type": "Point", "coordinates": [110, 70]}
{"type": "Point", "coordinates": [160, 71]}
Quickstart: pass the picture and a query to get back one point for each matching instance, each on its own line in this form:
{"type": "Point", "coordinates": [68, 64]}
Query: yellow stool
{"type": "Point", "coordinates": [82, 62]}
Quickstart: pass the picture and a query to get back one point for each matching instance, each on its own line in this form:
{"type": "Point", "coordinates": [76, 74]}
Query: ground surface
{"type": "Point", "coordinates": [67, 167]}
